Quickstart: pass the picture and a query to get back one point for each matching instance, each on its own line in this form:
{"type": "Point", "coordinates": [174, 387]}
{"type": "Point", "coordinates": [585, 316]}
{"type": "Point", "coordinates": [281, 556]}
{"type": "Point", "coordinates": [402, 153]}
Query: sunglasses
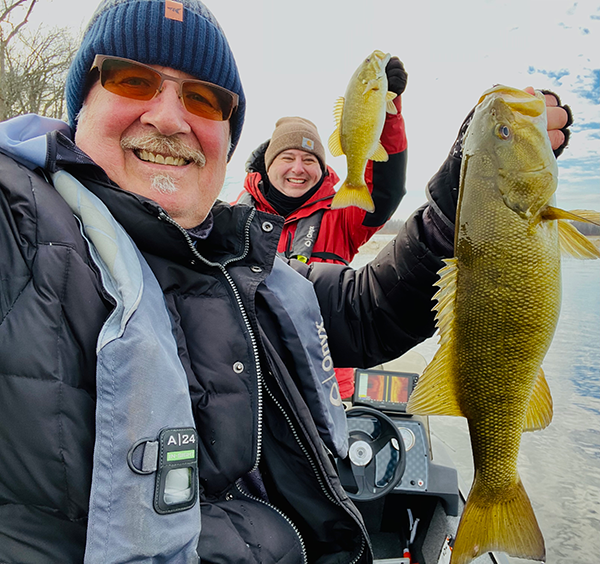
{"type": "Point", "coordinates": [137, 81]}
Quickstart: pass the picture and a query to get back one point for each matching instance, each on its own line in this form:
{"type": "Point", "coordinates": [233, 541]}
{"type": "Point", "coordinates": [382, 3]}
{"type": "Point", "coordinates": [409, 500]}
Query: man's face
{"type": "Point", "coordinates": [156, 148]}
{"type": "Point", "coordinates": [294, 172]}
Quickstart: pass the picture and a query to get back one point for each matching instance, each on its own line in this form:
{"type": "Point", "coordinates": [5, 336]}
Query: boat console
{"type": "Point", "coordinates": [398, 474]}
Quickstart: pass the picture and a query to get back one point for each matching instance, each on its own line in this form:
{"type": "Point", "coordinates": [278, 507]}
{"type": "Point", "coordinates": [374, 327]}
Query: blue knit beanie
{"type": "Point", "coordinates": [140, 30]}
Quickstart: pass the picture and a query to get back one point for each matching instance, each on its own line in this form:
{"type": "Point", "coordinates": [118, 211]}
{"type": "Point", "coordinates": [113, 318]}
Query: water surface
{"type": "Point", "coordinates": [559, 466]}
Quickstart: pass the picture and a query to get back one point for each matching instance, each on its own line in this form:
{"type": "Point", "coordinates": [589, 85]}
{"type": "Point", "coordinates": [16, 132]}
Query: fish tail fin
{"type": "Point", "coordinates": [507, 525]}
{"type": "Point", "coordinates": [351, 195]}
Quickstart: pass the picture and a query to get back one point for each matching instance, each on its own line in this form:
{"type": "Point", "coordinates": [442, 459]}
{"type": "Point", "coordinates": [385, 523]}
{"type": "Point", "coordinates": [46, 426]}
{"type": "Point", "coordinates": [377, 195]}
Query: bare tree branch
{"type": "Point", "coordinates": [22, 22]}
{"type": "Point", "coordinates": [8, 9]}
{"type": "Point", "coordinates": [35, 72]}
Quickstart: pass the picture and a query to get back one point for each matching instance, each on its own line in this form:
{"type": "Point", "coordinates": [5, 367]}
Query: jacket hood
{"type": "Point", "coordinates": [256, 160]}
{"type": "Point", "coordinates": [256, 174]}
{"type": "Point", "coordinates": [24, 138]}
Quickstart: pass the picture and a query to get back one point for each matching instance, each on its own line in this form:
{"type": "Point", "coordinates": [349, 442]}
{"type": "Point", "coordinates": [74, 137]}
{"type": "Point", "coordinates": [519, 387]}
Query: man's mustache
{"type": "Point", "coordinates": [165, 145]}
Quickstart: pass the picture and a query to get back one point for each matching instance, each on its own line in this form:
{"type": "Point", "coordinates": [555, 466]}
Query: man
{"type": "Point", "coordinates": [151, 369]}
{"type": "Point", "coordinates": [288, 175]}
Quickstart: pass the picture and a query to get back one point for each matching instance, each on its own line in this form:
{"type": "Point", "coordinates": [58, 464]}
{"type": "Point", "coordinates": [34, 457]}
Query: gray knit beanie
{"type": "Point", "coordinates": [182, 35]}
{"type": "Point", "coordinates": [295, 133]}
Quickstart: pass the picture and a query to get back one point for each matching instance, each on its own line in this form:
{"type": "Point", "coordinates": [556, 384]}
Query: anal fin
{"type": "Point", "coordinates": [380, 154]}
{"type": "Point", "coordinates": [540, 410]}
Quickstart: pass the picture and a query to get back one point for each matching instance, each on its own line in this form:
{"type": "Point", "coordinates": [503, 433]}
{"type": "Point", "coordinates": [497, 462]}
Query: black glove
{"type": "Point", "coordinates": [396, 75]}
{"type": "Point", "coordinates": [565, 129]}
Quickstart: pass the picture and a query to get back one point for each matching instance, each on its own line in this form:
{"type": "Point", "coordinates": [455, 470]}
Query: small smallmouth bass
{"type": "Point", "coordinates": [360, 117]}
{"type": "Point", "coordinates": [497, 310]}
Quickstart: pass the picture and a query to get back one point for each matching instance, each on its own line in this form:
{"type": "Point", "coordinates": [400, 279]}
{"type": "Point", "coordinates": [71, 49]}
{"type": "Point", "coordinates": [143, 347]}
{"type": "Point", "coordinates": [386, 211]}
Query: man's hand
{"type": "Point", "coordinates": [396, 75]}
{"type": "Point", "coordinates": [559, 120]}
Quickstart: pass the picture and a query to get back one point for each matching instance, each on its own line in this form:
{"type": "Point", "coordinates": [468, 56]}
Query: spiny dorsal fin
{"type": "Point", "coordinates": [335, 139]}
{"type": "Point", "coordinates": [390, 107]}
{"type": "Point", "coordinates": [380, 154]}
{"type": "Point", "coordinates": [435, 393]}
{"type": "Point", "coordinates": [338, 109]}
{"type": "Point", "coordinates": [540, 410]}
{"type": "Point", "coordinates": [575, 244]}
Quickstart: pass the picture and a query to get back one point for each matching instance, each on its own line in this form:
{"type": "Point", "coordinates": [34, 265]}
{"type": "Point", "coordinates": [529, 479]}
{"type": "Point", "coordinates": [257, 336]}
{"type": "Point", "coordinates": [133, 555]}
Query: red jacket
{"type": "Point", "coordinates": [343, 231]}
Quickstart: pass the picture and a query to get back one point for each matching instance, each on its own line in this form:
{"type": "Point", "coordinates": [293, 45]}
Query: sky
{"type": "Point", "coordinates": [296, 58]}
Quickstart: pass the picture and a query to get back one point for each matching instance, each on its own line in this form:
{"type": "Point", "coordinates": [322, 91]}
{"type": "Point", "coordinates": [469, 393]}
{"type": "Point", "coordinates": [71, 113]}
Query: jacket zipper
{"type": "Point", "coordinates": [260, 380]}
{"type": "Point", "coordinates": [222, 267]}
{"type": "Point", "coordinates": [312, 464]}
{"type": "Point", "coordinates": [281, 514]}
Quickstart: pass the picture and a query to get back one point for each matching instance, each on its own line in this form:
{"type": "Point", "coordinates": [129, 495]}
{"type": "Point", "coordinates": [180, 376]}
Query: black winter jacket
{"type": "Point", "coordinates": [52, 306]}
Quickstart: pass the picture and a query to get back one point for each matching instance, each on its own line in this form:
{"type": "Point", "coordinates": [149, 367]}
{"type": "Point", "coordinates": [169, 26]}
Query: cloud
{"type": "Point", "coordinates": [297, 60]}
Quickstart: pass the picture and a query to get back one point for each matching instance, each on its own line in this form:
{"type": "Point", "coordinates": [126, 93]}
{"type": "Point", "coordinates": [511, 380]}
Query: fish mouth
{"type": "Point", "coordinates": [379, 59]}
{"type": "Point", "coordinates": [517, 100]}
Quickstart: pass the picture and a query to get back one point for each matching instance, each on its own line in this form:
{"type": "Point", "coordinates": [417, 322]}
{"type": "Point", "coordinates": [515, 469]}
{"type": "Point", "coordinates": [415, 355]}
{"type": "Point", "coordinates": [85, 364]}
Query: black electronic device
{"type": "Point", "coordinates": [382, 389]}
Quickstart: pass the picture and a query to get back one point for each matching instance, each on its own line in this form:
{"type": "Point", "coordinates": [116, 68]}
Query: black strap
{"type": "Point", "coordinates": [247, 199]}
{"type": "Point", "coordinates": [330, 256]}
{"type": "Point", "coordinates": [306, 234]}
{"type": "Point", "coordinates": [307, 230]}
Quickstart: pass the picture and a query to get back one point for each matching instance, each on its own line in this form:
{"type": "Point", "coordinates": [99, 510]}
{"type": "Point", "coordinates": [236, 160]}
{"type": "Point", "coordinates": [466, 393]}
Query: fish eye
{"type": "Point", "coordinates": [503, 131]}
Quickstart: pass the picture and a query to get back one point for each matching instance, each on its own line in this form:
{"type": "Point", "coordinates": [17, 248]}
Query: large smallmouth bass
{"type": "Point", "coordinates": [360, 117]}
{"type": "Point", "coordinates": [497, 310]}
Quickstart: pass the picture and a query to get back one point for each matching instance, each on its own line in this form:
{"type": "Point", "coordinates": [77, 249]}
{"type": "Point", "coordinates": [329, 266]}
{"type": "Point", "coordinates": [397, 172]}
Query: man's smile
{"type": "Point", "coordinates": [160, 159]}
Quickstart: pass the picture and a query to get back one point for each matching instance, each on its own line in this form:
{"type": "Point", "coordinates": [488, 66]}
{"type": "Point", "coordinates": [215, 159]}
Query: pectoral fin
{"type": "Point", "coordinates": [380, 154]}
{"type": "Point", "coordinates": [390, 107]}
{"type": "Point", "coordinates": [587, 216]}
{"type": "Point", "coordinates": [575, 244]}
{"type": "Point", "coordinates": [435, 392]}
{"type": "Point", "coordinates": [373, 84]}
{"type": "Point", "coordinates": [572, 242]}
{"type": "Point", "coordinates": [540, 410]}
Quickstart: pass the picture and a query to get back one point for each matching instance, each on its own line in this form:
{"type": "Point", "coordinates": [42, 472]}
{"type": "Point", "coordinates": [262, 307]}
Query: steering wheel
{"type": "Point", "coordinates": [357, 470]}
